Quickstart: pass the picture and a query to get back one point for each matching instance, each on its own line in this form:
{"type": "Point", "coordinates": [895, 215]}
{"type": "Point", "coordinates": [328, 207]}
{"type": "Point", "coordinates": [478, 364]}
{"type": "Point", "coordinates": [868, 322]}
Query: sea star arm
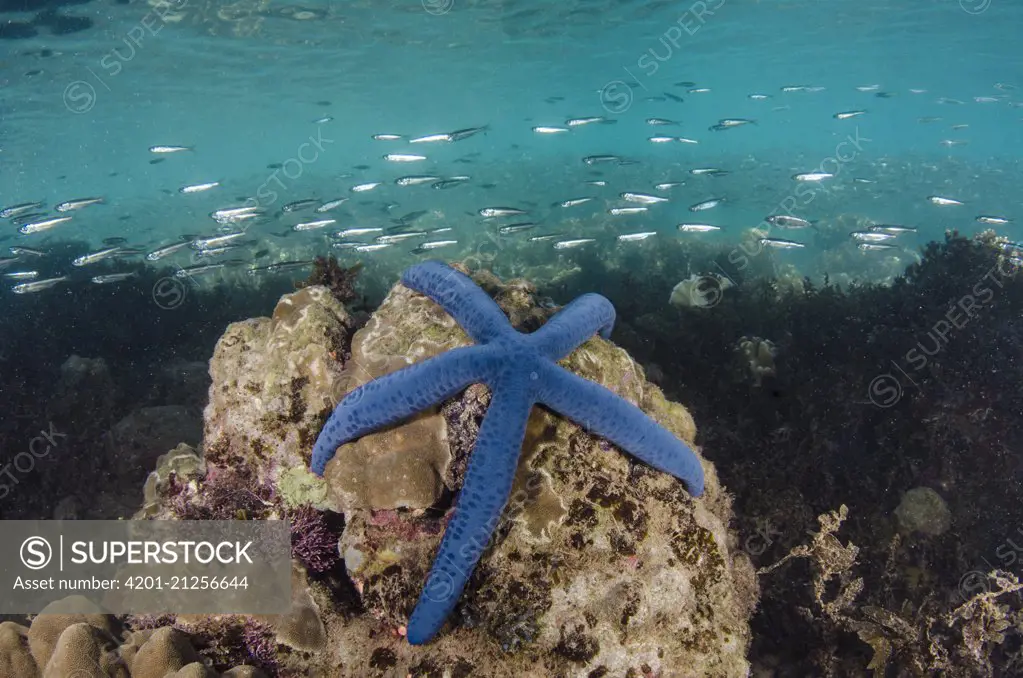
{"type": "Point", "coordinates": [398, 395]}
{"type": "Point", "coordinates": [488, 482]}
{"type": "Point", "coordinates": [605, 414]}
{"type": "Point", "coordinates": [575, 323]}
{"type": "Point", "coordinates": [471, 307]}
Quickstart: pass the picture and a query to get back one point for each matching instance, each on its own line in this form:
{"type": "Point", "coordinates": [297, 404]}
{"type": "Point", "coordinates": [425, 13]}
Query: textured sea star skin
{"type": "Point", "coordinates": [520, 370]}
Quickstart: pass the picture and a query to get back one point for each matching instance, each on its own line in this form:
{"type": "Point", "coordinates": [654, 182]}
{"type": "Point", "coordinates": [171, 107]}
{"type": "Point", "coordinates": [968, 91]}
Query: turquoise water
{"type": "Point", "coordinates": [247, 94]}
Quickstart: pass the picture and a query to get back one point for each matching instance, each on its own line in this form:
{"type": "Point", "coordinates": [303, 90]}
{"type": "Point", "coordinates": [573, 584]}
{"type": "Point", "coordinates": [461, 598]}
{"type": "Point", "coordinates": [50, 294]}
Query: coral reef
{"type": "Point", "coordinates": [72, 638]}
{"type": "Point", "coordinates": [600, 565]}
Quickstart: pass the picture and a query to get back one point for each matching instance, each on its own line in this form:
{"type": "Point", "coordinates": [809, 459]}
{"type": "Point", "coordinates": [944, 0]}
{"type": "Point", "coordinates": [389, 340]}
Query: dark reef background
{"type": "Point", "coordinates": [845, 416]}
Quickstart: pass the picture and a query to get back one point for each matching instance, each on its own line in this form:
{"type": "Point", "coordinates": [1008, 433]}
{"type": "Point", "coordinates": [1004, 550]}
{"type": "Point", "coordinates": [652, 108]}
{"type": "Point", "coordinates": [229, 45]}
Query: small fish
{"type": "Point", "coordinates": [572, 244]}
{"type": "Point", "coordinates": [170, 149]}
{"type": "Point", "coordinates": [875, 247]}
{"type": "Point", "coordinates": [929, 119]}
{"type": "Point", "coordinates": [398, 237]}
{"type": "Point", "coordinates": [946, 100]}
{"type": "Point", "coordinates": [491, 212]}
{"type": "Point", "coordinates": [78, 204]}
{"type": "Point", "coordinates": [44, 225]}
{"type": "Point", "coordinates": [687, 140]}
{"type": "Point", "coordinates": [387, 137]}
{"type": "Point", "coordinates": [794, 88]}
{"type": "Point", "coordinates": [449, 183]}
{"type": "Point", "coordinates": [18, 210]}
{"type": "Point", "coordinates": [642, 198]}
{"type": "Point", "coordinates": [19, 251]}
{"type": "Point", "coordinates": [868, 88]}
{"type": "Point", "coordinates": [917, 91]}
{"type": "Point", "coordinates": [758, 97]}
{"type": "Point", "coordinates": [313, 225]}
{"type": "Point", "coordinates": [579, 122]}
{"type": "Point", "coordinates": [324, 120]}
{"type": "Point", "coordinates": [872, 236]}
{"type": "Point", "coordinates": [162, 252]}
{"type": "Point", "coordinates": [894, 229]}
{"type": "Point", "coordinates": [697, 228]}
{"type": "Point", "coordinates": [299, 205]}
{"type": "Point", "coordinates": [403, 157]}
{"type": "Point", "coordinates": [706, 205]}
{"type": "Point", "coordinates": [664, 186]}
{"type": "Point", "coordinates": [660, 140]}
{"type": "Point", "coordinates": [199, 188]}
{"type": "Point", "coordinates": [787, 221]}
{"type": "Point", "coordinates": [467, 132]}
{"type": "Point", "coordinates": [430, 138]}
{"type": "Point", "coordinates": [953, 142]}
{"type": "Point", "coordinates": [861, 180]}
{"type": "Point", "coordinates": [545, 237]}
{"type": "Point", "coordinates": [596, 182]}
{"type": "Point", "coordinates": [22, 275]}
{"type": "Point", "coordinates": [433, 245]}
{"type": "Point", "coordinates": [699, 90]}
{"type": "Point", "coordinates": [635, 237]}
{"type": "Point", "coordinates": [516, 228]}
{"type": "Point", "coordinates": [216, 241]}
{"type": "Point", "coordinates": [349, 232]}
{"type": "Point", "coordinates": [993, 221]}
{"type": "Point", "coordinates": [674, 97]}
{"type": "Point", "coordinates": [660, 121]}
{"type": "Point", "coordinates": [372, 248]}
{"type": "Point", "coordinates": [624, 211]}
{"type": "Point", "coordinates": [959, 127]}
{"type": "Point", "coordinates": [845, 115]}
{"type": "Point", "coordinates": [113, 278]}
{"type": "Point", "coordinates": [94, 257]}
{"type": "Point", "coordinates": [699, 171]}
{"type": "Point", "coordinates": [38, 285]}
{"type": "Point", "coordinates": [938, 200]}
{"type": "Point", "coordinates": [813, 176]}
{"type": "Point", "coordinates": [986, 100]}
{"type": "Point", "coordinates": [416, 179]}
{"type": "Point", "coordinates": [540, 129]}
{"type": "Point", "coordinates": [213, 252]}
{"type": "Point", "coordinates": [199, 270]}
{"type": "Point", "coordinates": [23, 219]}
{"type": "Point", "coordinates": [331, 205]}
{"type": "Point", "coordinates": [362, 188]}
{"type": "Point", "coordinates": [781, 243]}
{"type": "Point", "coordinates": [600, 159]}
{"type": "Point", "coordinates": [233, 215]}
{"type": "Point", "coordinates": [573, 202]}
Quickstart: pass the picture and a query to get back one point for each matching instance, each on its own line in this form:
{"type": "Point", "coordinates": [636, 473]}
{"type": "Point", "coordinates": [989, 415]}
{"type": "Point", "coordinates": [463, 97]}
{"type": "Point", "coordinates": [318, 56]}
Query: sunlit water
{"type": "Point", "coordinates": [245, 84]}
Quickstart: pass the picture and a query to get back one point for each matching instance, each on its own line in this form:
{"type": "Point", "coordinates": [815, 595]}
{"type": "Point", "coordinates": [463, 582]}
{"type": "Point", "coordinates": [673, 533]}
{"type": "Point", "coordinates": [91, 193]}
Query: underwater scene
{"type": "Point", "coordinates": [593, 338]}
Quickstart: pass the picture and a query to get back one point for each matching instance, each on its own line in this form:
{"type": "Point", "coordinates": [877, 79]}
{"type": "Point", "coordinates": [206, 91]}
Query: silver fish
{"type": "Point", "coordinates": [331, 205]}
{"type": "Point", "coordinates": [45, 225]}
{"type": "Point", "coordinates": [22, 275]}
{"type": "Point", "coordinates": [624, 211]}
{"type": "Point", "coordinates": [20, 251]}
{"type": "Point", "coordinates": [387, 137]}
{"type": "Point", "coordinates": [892, 228]}
{"type": "Point", "coordinates": [349, 232]}
{"type": "Point", "coordinates": [113, 278]}
{"type": "Point", "coordinates": [669, 184]}
{"type": "Point", "coordinates": [313, 225]}
{"type": "Point", "coordinates": [362, 188]}
{"type": "Point", "coordinates": [78, 204]}
{"type": "Point", "coordinates": [845, 115]}
{"type": "Point", "coordinates": [579, 122]}
{"type": "Point", "coordinates": [403, 157]}
{"type": "Point", "coordinates": [371, 248]}
{"type": "Point", "coordinates": [94, 257]}
{"type": "Point", "coordinates": [657, 122]}
{"type": "Point", "coordinates": [299, 205]}
{"type": "Point", "coordinates": [786, 221]}
{"type": "Point", "coordinates": [199, 188]}
{"type": "Point", "coordinates": [490, 212]}
{"type": "Point", "coordinates": [600, 159]}
{"type": "Point", "coordinates": [660, 140]}
{"type": "Point", "coordinates": [697, 228]}
{"type": "Point", "coordinates": [162, 252]}
{"type": "Point", "coordinates": [813, 176]}
{"type": "Point", "coordinates": [938, 200]}
{"type": "Point", "coordinates": [216, 241]}
{"type": "Point", "coordinates": [875, 247]}
{"type": "Point", "coordinates": [549, 130]}
{"type": "Point", "coordinates": [781, 243]}
{"type": "Point", "coordinates": [516, 228]}
{"type": "Point", "coordinates": [993, 221]}
{"type": "Point", "coordinates": [18, 210]}
{"type": "Point", "coordinates": [635, 237]}
{"type": "Point", "coordinates": [572, 244]}
{"type": "Point", "coordinates": [706, 205]}
{"type": "Point", "coordinates": [573, 202]}
{"type": "Point", "coordinates": [434, 244]}
{"type": "Point", "coordinates": [871, 236]}
{"type": "Point", "coordinates": [430, 138]}
{"type": "Point", "coordinates": [398, 237]}
{"type": "Point", "coordinates": [38, 285]}
{"type": "Point", "coordinates": [170, 149]}
{"type": "Point", "coordinates": [416, 179]}
{"type": "Point", "coordinates": [643, 198]}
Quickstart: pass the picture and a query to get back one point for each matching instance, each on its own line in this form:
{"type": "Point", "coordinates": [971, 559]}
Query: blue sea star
{"type": "Point", "coordinates": [520, 370]}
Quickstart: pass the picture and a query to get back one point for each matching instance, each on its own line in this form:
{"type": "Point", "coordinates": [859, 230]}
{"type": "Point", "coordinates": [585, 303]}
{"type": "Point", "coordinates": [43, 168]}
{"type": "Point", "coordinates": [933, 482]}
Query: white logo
{"type": "Point", "coordinates": [36, 553]}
